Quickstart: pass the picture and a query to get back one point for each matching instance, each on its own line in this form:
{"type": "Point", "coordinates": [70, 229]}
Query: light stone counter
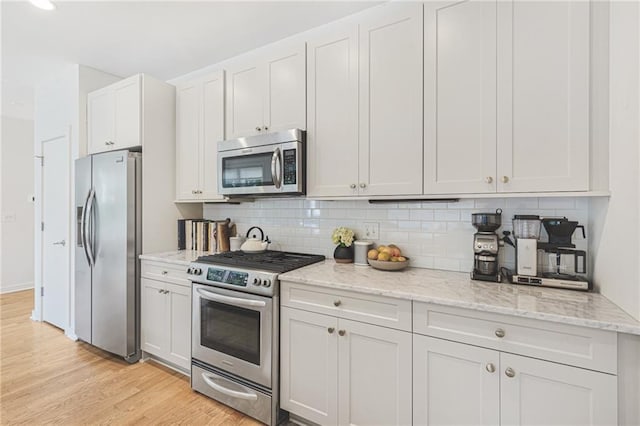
{"type": "Point", "coordinates": [457, 289]}
{"type": "Point", "coordinates": [178, 257]}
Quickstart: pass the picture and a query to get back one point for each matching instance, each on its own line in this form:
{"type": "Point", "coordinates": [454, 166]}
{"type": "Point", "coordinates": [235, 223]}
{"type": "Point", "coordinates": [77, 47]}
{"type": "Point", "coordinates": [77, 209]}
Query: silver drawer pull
{"type": "Point", "coordinates": [509, 372]}
{"type": "Point", "coordinates": [331, 330]}
{"type": "Point", "coordinates": [164, 272]}
{"type": "Point", "coordinates": [337, 303]}
{"type": "Point", "coordinates": [491, 368]}
{"type": "Point", "coordinates": [500, 333]}
{"type": "Point", "coordinates": [341, 332]}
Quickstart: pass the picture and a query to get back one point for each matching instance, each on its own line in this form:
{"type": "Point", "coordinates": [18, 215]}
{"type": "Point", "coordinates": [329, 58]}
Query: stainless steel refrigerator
{"type": "Point", "coordinates": [108, 242]}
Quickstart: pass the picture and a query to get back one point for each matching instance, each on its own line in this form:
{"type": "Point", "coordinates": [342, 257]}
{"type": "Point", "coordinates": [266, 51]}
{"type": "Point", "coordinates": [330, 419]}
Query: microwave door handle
{"type": "Point", "coordinates": [235, 301]}
{"type": "Point", "coordinates": [235, 394]}
{"type": "Point", "coordinates": [276, 168]}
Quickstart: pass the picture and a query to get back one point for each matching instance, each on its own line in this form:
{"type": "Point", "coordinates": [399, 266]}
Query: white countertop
{"type": "Point", "coordinates": [178, 257]}
{"type": "Point", "coordinates": [457, 289]}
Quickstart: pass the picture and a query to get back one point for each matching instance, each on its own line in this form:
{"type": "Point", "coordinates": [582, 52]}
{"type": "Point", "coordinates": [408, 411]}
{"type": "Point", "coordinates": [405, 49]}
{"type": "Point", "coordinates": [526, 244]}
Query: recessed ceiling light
{"type": "Point", "coordinates": [43, 4]}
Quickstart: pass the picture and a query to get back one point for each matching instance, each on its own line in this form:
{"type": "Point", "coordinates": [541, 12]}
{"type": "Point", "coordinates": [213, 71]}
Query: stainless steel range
{"type": "Point", "coordinates": [235, 328]}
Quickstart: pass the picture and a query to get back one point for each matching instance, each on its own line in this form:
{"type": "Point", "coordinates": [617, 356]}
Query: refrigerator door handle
{"type": "Point", "coordinates": [83, 234]}
{"type": "Point", "coordinates": [86, 228]}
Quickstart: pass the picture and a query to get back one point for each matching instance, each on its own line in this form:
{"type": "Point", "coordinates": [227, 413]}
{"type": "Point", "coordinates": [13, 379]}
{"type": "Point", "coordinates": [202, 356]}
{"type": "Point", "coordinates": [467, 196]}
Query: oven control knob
{"type": "Point", "coordinates": [189, 271]}
{"type": "Point", "coordinates": [257, 281]}
{"type": "Point", "coordinates": [197, 271]}
{"type": "Point", "coordinates": [266, 283]}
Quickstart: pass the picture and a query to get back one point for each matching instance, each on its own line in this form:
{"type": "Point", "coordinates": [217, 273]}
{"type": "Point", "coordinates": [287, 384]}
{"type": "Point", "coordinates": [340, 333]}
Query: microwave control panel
{"type": "Point", "coordinates": [290, 166]}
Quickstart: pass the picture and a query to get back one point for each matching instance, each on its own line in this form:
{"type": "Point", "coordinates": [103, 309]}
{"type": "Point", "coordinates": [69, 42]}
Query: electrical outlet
{"type": "Point", "coordinates": [371, 231]}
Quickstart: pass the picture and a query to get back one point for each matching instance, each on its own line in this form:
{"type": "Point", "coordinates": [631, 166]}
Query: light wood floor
{"type": "Point", "coordinates": [47, 378]}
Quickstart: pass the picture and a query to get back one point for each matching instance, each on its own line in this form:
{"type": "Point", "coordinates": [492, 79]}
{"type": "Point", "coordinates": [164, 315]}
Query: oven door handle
{"type": "Point", "coordinates": [231, 300]}
{"type": "Point", "coordinates": [242, 395]}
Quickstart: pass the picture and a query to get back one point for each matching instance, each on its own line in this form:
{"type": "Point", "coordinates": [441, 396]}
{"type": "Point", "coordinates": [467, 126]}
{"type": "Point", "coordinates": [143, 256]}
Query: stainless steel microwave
{"type": "Point", "coordinates": [269, 164]}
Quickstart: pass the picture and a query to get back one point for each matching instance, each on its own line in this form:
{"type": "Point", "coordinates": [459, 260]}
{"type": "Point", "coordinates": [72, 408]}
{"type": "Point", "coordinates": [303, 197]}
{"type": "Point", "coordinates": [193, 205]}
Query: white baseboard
{"type": "Point", "coordinates": [70, 334]}
{"type": "Point", "coordinates": [12, 288]}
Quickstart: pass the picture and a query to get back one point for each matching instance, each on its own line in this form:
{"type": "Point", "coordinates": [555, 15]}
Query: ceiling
{"type": "Point", "coordinates": [163, 39]}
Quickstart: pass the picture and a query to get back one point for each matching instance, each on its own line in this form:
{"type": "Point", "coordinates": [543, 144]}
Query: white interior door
{"type": "Point", "coordinates": [55, 234]}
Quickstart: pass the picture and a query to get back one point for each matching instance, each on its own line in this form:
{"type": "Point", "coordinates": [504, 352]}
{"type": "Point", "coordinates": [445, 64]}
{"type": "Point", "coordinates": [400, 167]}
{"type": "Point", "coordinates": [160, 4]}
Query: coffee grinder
{"type": "Point", "coordinates": [485, 246]}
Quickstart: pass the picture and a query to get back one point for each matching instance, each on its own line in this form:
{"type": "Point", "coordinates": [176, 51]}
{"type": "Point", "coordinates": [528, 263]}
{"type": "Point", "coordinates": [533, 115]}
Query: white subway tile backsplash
{"type": "Point", "coordinates": [433, 234]}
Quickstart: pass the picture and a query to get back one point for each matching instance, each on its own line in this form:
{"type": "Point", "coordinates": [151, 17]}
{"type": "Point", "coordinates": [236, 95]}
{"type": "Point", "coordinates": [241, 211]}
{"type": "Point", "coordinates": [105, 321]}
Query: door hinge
{"type": "Point", "coordinates": [42, 226]}
{"type": "Point", "coordinates": [42, 291]}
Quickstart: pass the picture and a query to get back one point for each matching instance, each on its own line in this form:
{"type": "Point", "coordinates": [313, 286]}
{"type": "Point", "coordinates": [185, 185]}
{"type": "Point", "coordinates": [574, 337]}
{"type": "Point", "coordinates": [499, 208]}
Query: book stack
{"type": "Point", "coordinates": [197, 234]}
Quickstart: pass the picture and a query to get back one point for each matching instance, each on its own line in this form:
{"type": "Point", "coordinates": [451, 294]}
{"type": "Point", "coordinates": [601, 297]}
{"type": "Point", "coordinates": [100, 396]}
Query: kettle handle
{"type": "Point", "coordinates": [583, 233]}
{"type": "Point", "coordinates": [259, 229]}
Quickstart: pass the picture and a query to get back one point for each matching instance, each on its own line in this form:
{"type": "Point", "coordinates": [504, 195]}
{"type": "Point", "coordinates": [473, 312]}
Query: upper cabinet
{"type": "Point", "coordinates": [364, 104]}
{"type": "Point", "coordinates": [199, 128]}
{"type": "Point", "coordinates": [114, 115]}
{"type": "Point", "coordinates": [506, 106]}
{"type": "Point", "coordinates": [266, 91]}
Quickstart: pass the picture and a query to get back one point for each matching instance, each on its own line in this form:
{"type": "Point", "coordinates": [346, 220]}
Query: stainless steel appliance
{"type": "Point", "coordinates": [108, 229]}
{"type": "Point", "coordinates": [486, 246]}
{"type": "Point", "coordinates": [235, 329]}
{"type": "Point", "coordinates": [553, 263]}
{"type": "Point", "coordinates": [269, 164]}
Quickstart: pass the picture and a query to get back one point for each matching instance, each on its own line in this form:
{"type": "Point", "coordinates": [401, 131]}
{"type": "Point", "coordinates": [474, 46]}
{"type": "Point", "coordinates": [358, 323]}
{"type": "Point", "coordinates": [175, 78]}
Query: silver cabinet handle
{"type": "Point", "coordinates": [331, 330]}
{"type": "Point", "coordinates": [60, 243]}
{"type": "Point", "coordinates": [193, 191]}
{"type": "Point", "coordinates": [341, 332]}
{"type": "Point", "coordinates": [488, 179]}
{"type": "Point", "coordinates": [505, 179]}
{"type": "Point", "coordinates": [160, 290]}
{"type": "Point", "coordinates": [352, 186]}
{"type": "Point", "coordinates": [266, 128]}
{"type": "Point", "coordinates": [491, 368]}
{"type": "Point", "coordinates": [108, 143]}
{"type": "Point", "coordinates": [165, 272]}
{"type": "Point", "coordinates": [500, 333]}
{"type": "Point", "coordinates": [363, 185]}
{"type": "Point", "coordinates": [509, 372]}
{"type": "Point", "coordinates": [258, 128]}
{"type": "Point", "coordinates": [337, 303]}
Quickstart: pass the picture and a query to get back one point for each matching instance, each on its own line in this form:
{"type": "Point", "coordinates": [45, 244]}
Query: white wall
{"type": "Point", "coordinates": [17, 210]}
{"type": "Point", "coordinates": [433, 235]}
{"type": "Point", "coordinates": [616, 222]}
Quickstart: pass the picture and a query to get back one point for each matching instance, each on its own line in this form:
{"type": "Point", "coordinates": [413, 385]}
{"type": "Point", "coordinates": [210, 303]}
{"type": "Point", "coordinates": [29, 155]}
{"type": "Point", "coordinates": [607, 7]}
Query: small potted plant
{"type": "Point", "coordinates": [343, 237]}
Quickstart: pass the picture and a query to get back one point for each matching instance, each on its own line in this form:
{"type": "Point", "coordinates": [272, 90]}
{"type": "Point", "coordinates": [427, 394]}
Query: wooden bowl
{"type": "Point", "coordinates": [388, 265]}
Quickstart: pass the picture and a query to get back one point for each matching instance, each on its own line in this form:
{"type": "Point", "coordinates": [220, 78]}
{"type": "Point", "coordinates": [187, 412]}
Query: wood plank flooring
{"type": "Point", "coordinates": [45, 378]}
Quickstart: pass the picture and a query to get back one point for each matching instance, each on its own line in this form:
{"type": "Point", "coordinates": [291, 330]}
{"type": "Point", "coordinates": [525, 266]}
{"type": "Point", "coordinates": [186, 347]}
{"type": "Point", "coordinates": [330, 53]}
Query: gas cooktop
{"type": "Point", "coordinates": [270, 260]}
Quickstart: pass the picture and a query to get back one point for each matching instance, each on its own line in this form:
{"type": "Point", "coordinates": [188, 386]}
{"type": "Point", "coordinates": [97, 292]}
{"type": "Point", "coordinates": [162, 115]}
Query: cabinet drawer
{"type": "Point", "coordinates": [168, 272]}
{"type": "Point", "coordinates": [567, 344]}
{"type": "Point", "coordinates": [387, 312]}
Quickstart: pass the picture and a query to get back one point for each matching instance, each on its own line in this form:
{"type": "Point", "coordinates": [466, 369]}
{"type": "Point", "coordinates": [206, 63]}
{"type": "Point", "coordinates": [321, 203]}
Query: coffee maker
{"type": "Point", "coordinates": [554, 263]}
{"type": "Point", "coordinates": [485, 246]}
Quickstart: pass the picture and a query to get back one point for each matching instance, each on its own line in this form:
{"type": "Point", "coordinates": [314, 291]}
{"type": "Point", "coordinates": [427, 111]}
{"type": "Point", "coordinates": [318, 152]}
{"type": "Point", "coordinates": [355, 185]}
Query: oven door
{"type": "Point", "coordinates": [233, 331]}
{"type": "Point", "coordinates": [270, 169]}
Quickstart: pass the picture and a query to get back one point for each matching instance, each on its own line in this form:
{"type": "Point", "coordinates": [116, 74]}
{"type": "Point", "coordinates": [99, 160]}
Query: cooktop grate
{"type": "Point", "coordinates": [270, 260]}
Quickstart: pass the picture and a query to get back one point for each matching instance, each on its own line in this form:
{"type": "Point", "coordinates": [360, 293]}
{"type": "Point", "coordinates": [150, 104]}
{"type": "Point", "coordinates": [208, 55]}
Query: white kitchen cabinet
{"type": "Point", "coordinates": [506, 106]}
{"type": "Point", "coordinates": [199, 127]}
{"type": "Point", "coordinates": [536, 392]}
{"type": "Point", "coordinates": [364, 79]}
{"type": "Point", "coordinates": [454, 383]}
{"type": "Point", "coordinates": [266, 91]}
{"type": "Point", "coordinates": [114, 115]}
{"type": "Point", "coordinates": [166, 314]}
{"type": "Point", "coordinates": [328, 373]}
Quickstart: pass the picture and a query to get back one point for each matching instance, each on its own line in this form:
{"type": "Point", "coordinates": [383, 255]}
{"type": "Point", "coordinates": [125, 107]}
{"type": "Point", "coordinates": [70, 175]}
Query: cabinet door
{"type": "Point", "coordinates": [154, 331]}
{"type": "Point", "coordinates": [374, 381]}
{"type": "Point", "coordinates": [179, 312]}
{"type": "Point", "coordinates": [460, 97]}
{"type": "Point", "coordinates": [545, 393]}
{"type": "Point", "coordinates": [285, 100]}
{"type": "Point", "coordinates": [245, 98]}
{"type": "Point", "coordinates": [213, 132]}
{"type": "Point", "coordinates": [454, 383]}
{"type": "Point", "coordinates": [188, 157]}
{"type": "Point", "coordinates": [543, 96]}
{"type": "Point", "coordinates": [127, 112]}
{"type": "Point", "coordinates": [390, 154]}
{"type": "Point", "coordinates": [309, 365]}
{"type": "Point", "coordinates": [100, 120]}
{"type": "Point", "coordinates": [332, 111]}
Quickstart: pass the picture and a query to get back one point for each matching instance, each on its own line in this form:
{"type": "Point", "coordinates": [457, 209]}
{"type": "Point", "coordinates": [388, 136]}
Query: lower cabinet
{"type": "Point", "coordinates": [338, 371]}
{"type": "Point", "coordinates": [166, 321]}
{"type": "Point", "coordinates": [456, 383]}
